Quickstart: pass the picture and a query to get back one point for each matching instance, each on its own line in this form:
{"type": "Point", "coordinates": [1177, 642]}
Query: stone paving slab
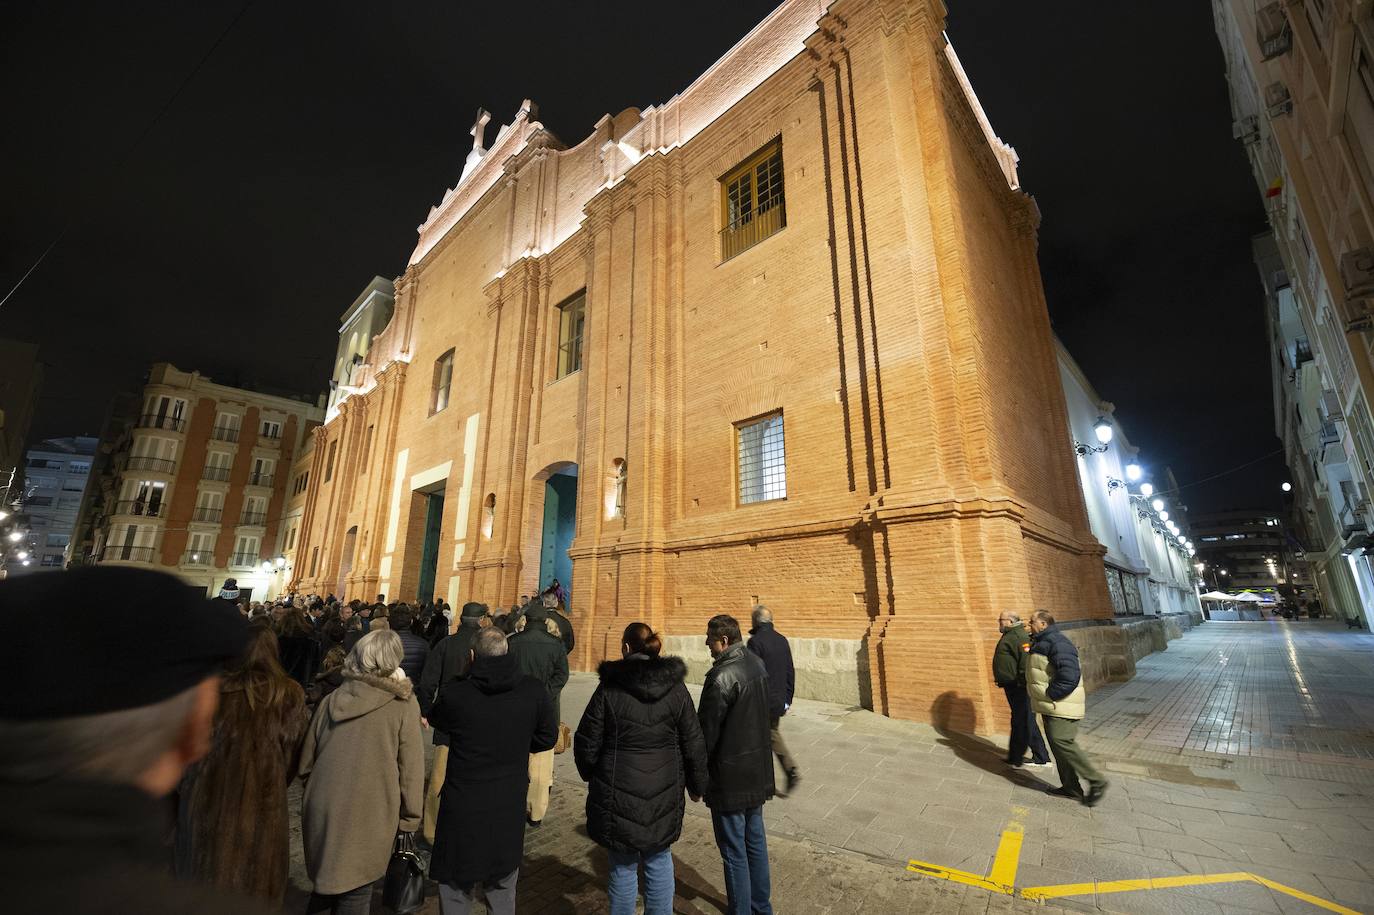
{"type": "Point", "coordinates": [877, 793]}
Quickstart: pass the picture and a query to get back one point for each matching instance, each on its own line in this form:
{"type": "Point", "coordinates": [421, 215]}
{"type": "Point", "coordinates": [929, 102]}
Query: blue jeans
{"type": "Point", "coordinates": [744, 850]}
{"type": "Point", "coordinates": [658, 881]}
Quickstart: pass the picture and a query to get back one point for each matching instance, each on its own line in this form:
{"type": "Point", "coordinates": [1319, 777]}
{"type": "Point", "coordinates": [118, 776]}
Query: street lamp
{"type": "Point", "coordinates": [1103, 430]}
{"type": "Point", "coordinates": [1157, 505]}
{"type": "Point", "coordinates": [266, 566]}
{"type": "Point", "coordinates": [22, 554]}
{"type": "Point", "coordinates": [1287, 487]}
{"type": "Point", "coordinates": [1133, 472]}
{"type": "Point", "coordinates": [1147, 490]}
{"type": "Point", "coordinates": [3, 514]}
{"type": "Point", "coordinates": [281, 561]}
{"type": "Point", "coordinates": [16, 536]}
{"type": "Point", "coordinates": [1164, 516]}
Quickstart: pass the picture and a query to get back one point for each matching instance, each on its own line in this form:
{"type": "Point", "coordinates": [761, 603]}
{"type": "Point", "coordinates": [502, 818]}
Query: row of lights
{"type": "Point", "coordinates": [1103, 431]}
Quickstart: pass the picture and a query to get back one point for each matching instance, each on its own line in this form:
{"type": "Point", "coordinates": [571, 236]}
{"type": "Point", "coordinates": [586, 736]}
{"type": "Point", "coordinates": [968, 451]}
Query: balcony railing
{"type": "Point", "coordinates": [157, 465]}
{"type": "Point", "coordinates": [269, 441]}
{"type": "Point", "coordinates": [157, 421]}
{"type": "Point", "coordinates": [225, 434]}
{"type": "Point", "coordinates": [200, 559]}
{"type": "Point", "coordinates": [208, 515]}
{"type": "Point", "coordinates": [253, 519]}
{"type": "Point", "coordinates": [244, 560]}
{"type": "Point", "coordinates": [753, 228]}
{"type": "Point", "coordinates": [259, 479]}
{"type": "Point", "coordinates": [122, 553]}
{"type": "Point", "coordinates": [140, 507]}
{"type": "Point", "coordinates": [215, 473]}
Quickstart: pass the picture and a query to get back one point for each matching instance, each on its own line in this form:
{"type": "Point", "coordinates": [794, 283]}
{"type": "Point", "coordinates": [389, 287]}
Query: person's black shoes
{"type": "Point", "coordinates": [793, 780]}
{"type": "Point", "coordinates": [533, 824]}
{"type": "Point", "coordinates": [1094, 795]}
{"type": "Point", "coordinates": [1061, 791]}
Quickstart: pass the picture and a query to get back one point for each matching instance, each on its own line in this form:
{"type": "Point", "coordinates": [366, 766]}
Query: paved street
{"type": "Point", "coordinates": [1245, 750]}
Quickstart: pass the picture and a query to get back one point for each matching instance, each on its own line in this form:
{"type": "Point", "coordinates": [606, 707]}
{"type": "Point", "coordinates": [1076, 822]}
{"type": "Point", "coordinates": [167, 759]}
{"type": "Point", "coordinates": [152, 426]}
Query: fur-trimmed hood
{"type": "Point", "coordinates": [647, 679]}
{"type": "Point", "coordinates": [364, 693]}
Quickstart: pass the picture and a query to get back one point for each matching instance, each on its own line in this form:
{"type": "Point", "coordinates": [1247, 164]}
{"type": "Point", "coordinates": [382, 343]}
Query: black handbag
{"type": "Point", "coordinates": [404, 889]}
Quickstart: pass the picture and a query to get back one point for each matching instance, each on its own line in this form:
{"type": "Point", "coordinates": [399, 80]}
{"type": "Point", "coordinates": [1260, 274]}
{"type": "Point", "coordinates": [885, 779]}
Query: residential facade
{"type": "Point", "coordinates": [755, 344]}
{"type": "Point", "coordinates": [1133, 509]}
{"type": "Point", "coordinates": [56, 473]}
{"type": "Point", "coordinates": [21, 378]}
{"type": "Point", "coordinates": [1249, 550]}
{"type": "Point", "coordinates": [199, 481]}
{"type": "Point", "coordinates": [1302, 93]}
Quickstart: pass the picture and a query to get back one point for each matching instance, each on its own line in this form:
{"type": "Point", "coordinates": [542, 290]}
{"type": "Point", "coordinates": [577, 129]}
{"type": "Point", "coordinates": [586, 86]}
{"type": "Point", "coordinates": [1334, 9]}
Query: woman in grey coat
{"type": "Point", "coordinates": [370, 724]}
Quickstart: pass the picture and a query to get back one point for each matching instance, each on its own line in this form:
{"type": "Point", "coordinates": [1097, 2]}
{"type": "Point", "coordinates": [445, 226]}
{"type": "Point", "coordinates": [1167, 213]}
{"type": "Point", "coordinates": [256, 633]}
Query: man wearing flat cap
{"type": "Point", "coordinates": [448, 660]}
{"type": "Point", "coordinates": [105, 723]}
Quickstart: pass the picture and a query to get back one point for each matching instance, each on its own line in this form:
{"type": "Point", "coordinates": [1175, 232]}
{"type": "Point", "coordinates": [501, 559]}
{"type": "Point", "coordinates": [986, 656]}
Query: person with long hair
{"type": "Point", "coordinates": [233, 829]}
{"type": "Point", "coordinates": [640, 746]}
{"type": "Point", "coordinates": [370, 724]}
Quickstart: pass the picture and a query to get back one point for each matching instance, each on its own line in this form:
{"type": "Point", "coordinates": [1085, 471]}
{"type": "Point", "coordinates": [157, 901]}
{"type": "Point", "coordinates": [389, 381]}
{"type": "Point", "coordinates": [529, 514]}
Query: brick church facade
{"type": "Point", "coordinates": [781, 339]}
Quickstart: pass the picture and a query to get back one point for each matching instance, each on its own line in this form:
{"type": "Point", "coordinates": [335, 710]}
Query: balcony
{"type": "Point", "coordinates": [152, 464]}
{"type": "Point", "coordinates": [225, 434]}
{"type": "Point", "coordinates": [259, 479]}
{"type": "Point", "coordinates": [140, 508]}
{"type": "Point", "coordinates": [751, 229]}
{"type": "Point", "coordinates": [157, 421]}
{"type": "Point", "coordinates": [126, 553]}
{"type": "Point", "coordinates": [201, 559]}
{"type": "Point", "coordinates": [207, 515]}
{"type": "Point", "coordinates": [253, 519]}
{"type": "Point", "coordinates": [269, 441]}
{"type": "Point", "coordinates": [244, 561]}
{"type": "Point", "coordinates": [218, 474]}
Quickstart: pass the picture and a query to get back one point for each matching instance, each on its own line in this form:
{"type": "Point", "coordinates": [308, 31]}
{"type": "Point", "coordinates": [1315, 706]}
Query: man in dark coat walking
{"type": "Point", "coordinates": [734, 714]}
{"type": "Point", "coordinates": [1009, 672]}
{"type": "Point", "coordinates": [773, 649]}
{"type": "Point", "coordinates": [539, 653]}
{"type": "Point", "coordinates": [415, 647]}
{"type": "Point", "coordinates": [448, 660]}
{"type": "Point", "coordinates": [495, 718]}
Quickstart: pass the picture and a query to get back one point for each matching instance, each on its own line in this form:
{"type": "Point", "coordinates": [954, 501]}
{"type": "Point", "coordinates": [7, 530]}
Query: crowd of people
{"type": "Point", "coordinates": [202, 714]}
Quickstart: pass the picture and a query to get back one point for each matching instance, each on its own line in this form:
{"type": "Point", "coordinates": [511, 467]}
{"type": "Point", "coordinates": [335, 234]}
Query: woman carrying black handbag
{"type": "Point", "coordinates": [404, 889]}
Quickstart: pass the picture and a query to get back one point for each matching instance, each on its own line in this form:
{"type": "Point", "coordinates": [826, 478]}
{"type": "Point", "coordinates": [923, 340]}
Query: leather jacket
{"type": "Point", "coordinates": [735, 718]}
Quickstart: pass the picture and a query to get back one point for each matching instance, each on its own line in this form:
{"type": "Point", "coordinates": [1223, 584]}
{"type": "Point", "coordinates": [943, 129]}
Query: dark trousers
{"type": "Point", "coordinates": [354, 902]}
{"type": "Point", "coordinates": [1024, 733]}
{"type": "Point", "coordinates": [1069, 757]}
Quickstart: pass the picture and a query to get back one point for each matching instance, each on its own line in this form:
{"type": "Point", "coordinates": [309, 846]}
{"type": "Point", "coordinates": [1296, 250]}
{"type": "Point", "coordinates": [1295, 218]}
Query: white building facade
{"type": "Point", "coordinates": [55, 477]}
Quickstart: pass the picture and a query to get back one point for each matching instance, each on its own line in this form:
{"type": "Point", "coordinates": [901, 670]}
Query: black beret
{"type": "Point", "coordinates": [140, 637]}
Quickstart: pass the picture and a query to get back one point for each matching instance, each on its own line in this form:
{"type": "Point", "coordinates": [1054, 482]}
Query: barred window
{"type": "Point", "coordinates": [572, 316]}
{"type": "Point", "coordinates": [753, 203]}
{"type": "Point", "coordinates": [762, 461]}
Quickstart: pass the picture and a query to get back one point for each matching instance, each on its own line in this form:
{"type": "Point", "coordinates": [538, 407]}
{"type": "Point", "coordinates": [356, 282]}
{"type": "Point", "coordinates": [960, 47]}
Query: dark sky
{"type": "Point", "coordinates": [298, 161]}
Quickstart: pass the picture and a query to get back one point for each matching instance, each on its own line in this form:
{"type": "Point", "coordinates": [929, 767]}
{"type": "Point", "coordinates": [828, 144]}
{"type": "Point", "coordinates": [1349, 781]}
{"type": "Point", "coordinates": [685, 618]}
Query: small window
{"type": "Point", "coordinates": [329, 461]}
{"type": "Point", "coordinates": [271, 429]}
{"type": "Point", "coordinates": [762, 461]}
{"type": "Point", "coordinates": [752, 204]}
{"type": "Point", "coordinates": [488, 515]}
{"type": "Point", "coordinates": [572, 316]}
{"type": "Point", "coordinates": [443, 378]}
{"type": "Point", "coordinates": [314, 560]}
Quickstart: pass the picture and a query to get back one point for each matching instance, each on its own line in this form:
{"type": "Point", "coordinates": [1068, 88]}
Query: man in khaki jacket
{"type": "Point", "coordinates": [1055, 685]}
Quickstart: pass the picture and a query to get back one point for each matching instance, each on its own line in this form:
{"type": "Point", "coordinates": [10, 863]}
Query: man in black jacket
{"type": "Point", "coordinates": [1009, 672]}
{"type": "Point", "coordinates": [734, 713]}
{"type": "Point", "coordinates": [448, 660]}
{"type": "Point", "coordinates": [772, 648]}
{"type": "Point", "coordinates": [415, 647]}
{"type": "Point", "coordinates": [539, 653]}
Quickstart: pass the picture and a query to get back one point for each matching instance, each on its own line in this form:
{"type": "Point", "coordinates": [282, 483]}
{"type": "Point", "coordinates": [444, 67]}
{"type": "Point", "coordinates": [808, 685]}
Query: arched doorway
{"type": "Point", "coordinates": [559, 524]}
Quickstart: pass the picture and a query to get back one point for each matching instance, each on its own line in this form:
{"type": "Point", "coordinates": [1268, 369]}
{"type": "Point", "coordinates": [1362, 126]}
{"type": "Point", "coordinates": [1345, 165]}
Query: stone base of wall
{"type": "Point", "coordinates": [831, 670]}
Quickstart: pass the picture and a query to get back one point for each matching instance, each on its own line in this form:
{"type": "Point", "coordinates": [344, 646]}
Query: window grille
{"type": "Point", "coordinates": [762, 460]}
{"type": "Point", "coordinates": [752, 195]}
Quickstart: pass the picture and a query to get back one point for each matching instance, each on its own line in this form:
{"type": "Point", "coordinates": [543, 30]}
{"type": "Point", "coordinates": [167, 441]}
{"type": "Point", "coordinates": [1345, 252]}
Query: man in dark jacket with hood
{"type": "Point", "coordinates": [1008, 671]}
{"type": "Point", "coordinates": [734, 714]}
{"type": "Point", "coordinates": [539, 654]}
{"type": "Point", "coordinates": [496, 718]}
{"type": "Point", "coordinates": [772, 648]}
{"type": "Point", "coordinates": [448, 660]}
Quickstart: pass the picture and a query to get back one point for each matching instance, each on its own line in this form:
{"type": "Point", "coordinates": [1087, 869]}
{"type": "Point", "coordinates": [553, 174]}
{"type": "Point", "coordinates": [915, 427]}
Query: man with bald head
{"type": "Point", "coordinates": [774, 650]}
{"type": "Point", "coordinates": [1008, 670]}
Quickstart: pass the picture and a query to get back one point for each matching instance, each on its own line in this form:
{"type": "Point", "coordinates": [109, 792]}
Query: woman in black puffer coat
{"type": "Point", "coordinates": [639, 745]}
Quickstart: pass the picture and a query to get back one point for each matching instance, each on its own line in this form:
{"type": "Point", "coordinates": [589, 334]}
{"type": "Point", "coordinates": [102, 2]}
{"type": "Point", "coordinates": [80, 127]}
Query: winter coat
{"type": "Point", "coordinates": [96, 848]}
{"type": "Point", "coordinates": [232, 824]}
{"type": "Point", "coordinates": [772, 648]}
{"type": "Point", "coordinates": [446, 661]}
{"type": "Point", "coordinates": [368, 726]}
{"type": "Point", "coordinates": [1053, 680]}
{"type": "Point", "coordinates": [300, 657]}
{"type": "Point", "coordinates": [416, 652]}
{"type": "Point", "coordinates": [735, 721]}
{"type": "Point", "coordinates": [540, 654]}
{"type": "Point", "coordinates": [1009, 657]}
{"type": "Point", "coordinates": [496, 718]}
{"type": "Point", "coordinates": [639, 744]}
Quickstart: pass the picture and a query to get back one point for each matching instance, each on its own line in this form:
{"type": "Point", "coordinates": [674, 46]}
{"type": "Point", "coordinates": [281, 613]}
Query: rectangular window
{"type": "Point", "coordinates": [314, 560]}
{"type": "Point", "coordinates": [443, 379]}
{"type": "Point", "coordinates": [79, 467]}
{"type": "Point", "coordinates": [752, 204]}
{"type": "Point", "coordinates": [58, 539]}
{"type": "Point", "coordinates": [271, 429]}
{"type": "Point", "coordinates": [226, 427]}
{"type": "Point", "coordinates": [762, 461]}
{"type": "Point", "coordinates": [329, 461]}
{"type": "Point", "coordinates": [572, 317]}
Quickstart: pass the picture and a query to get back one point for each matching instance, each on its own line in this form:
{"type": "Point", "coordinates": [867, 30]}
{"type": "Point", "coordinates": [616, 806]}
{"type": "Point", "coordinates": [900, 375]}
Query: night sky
{"type": "Point", "coordinates": [298, 160]}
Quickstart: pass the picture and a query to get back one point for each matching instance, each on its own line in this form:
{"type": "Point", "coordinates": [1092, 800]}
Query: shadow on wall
{"type": "Point", "coordinates": [954, 718]}
{"type": "Point", "coordinates": [863, 671]}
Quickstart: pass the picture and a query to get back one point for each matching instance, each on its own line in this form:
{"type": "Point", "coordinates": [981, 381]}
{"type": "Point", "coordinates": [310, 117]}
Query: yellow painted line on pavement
{"type": "Point", "coordinates": [1001, 878]}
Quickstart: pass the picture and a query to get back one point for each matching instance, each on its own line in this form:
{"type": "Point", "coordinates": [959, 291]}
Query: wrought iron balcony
{"type": "Point", "coordinates": [244, 560]}
{"type": "Point", "coordinates": [160, 421]}
{"type": "Point", "coordinates": [156, 465]}
{"type": "Point", "coordinates": [208, 515]}
{"type": "Point", "coordinates": [126, 553]}
{"type": "Point", "coordinates": [215, 473]}
{"type": "Point", "coordinates": [253, 519]}
{"type": "Point", "coordinates": [225, 434]}
{"type": "Point", "coordinates": [259, 479]}
{"type": "Point", "coordinates": [140, 507]}
{"type": "Point", "coordinates": [749, 230]}
{"type": "Point", "coordinates": [201, 559]}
